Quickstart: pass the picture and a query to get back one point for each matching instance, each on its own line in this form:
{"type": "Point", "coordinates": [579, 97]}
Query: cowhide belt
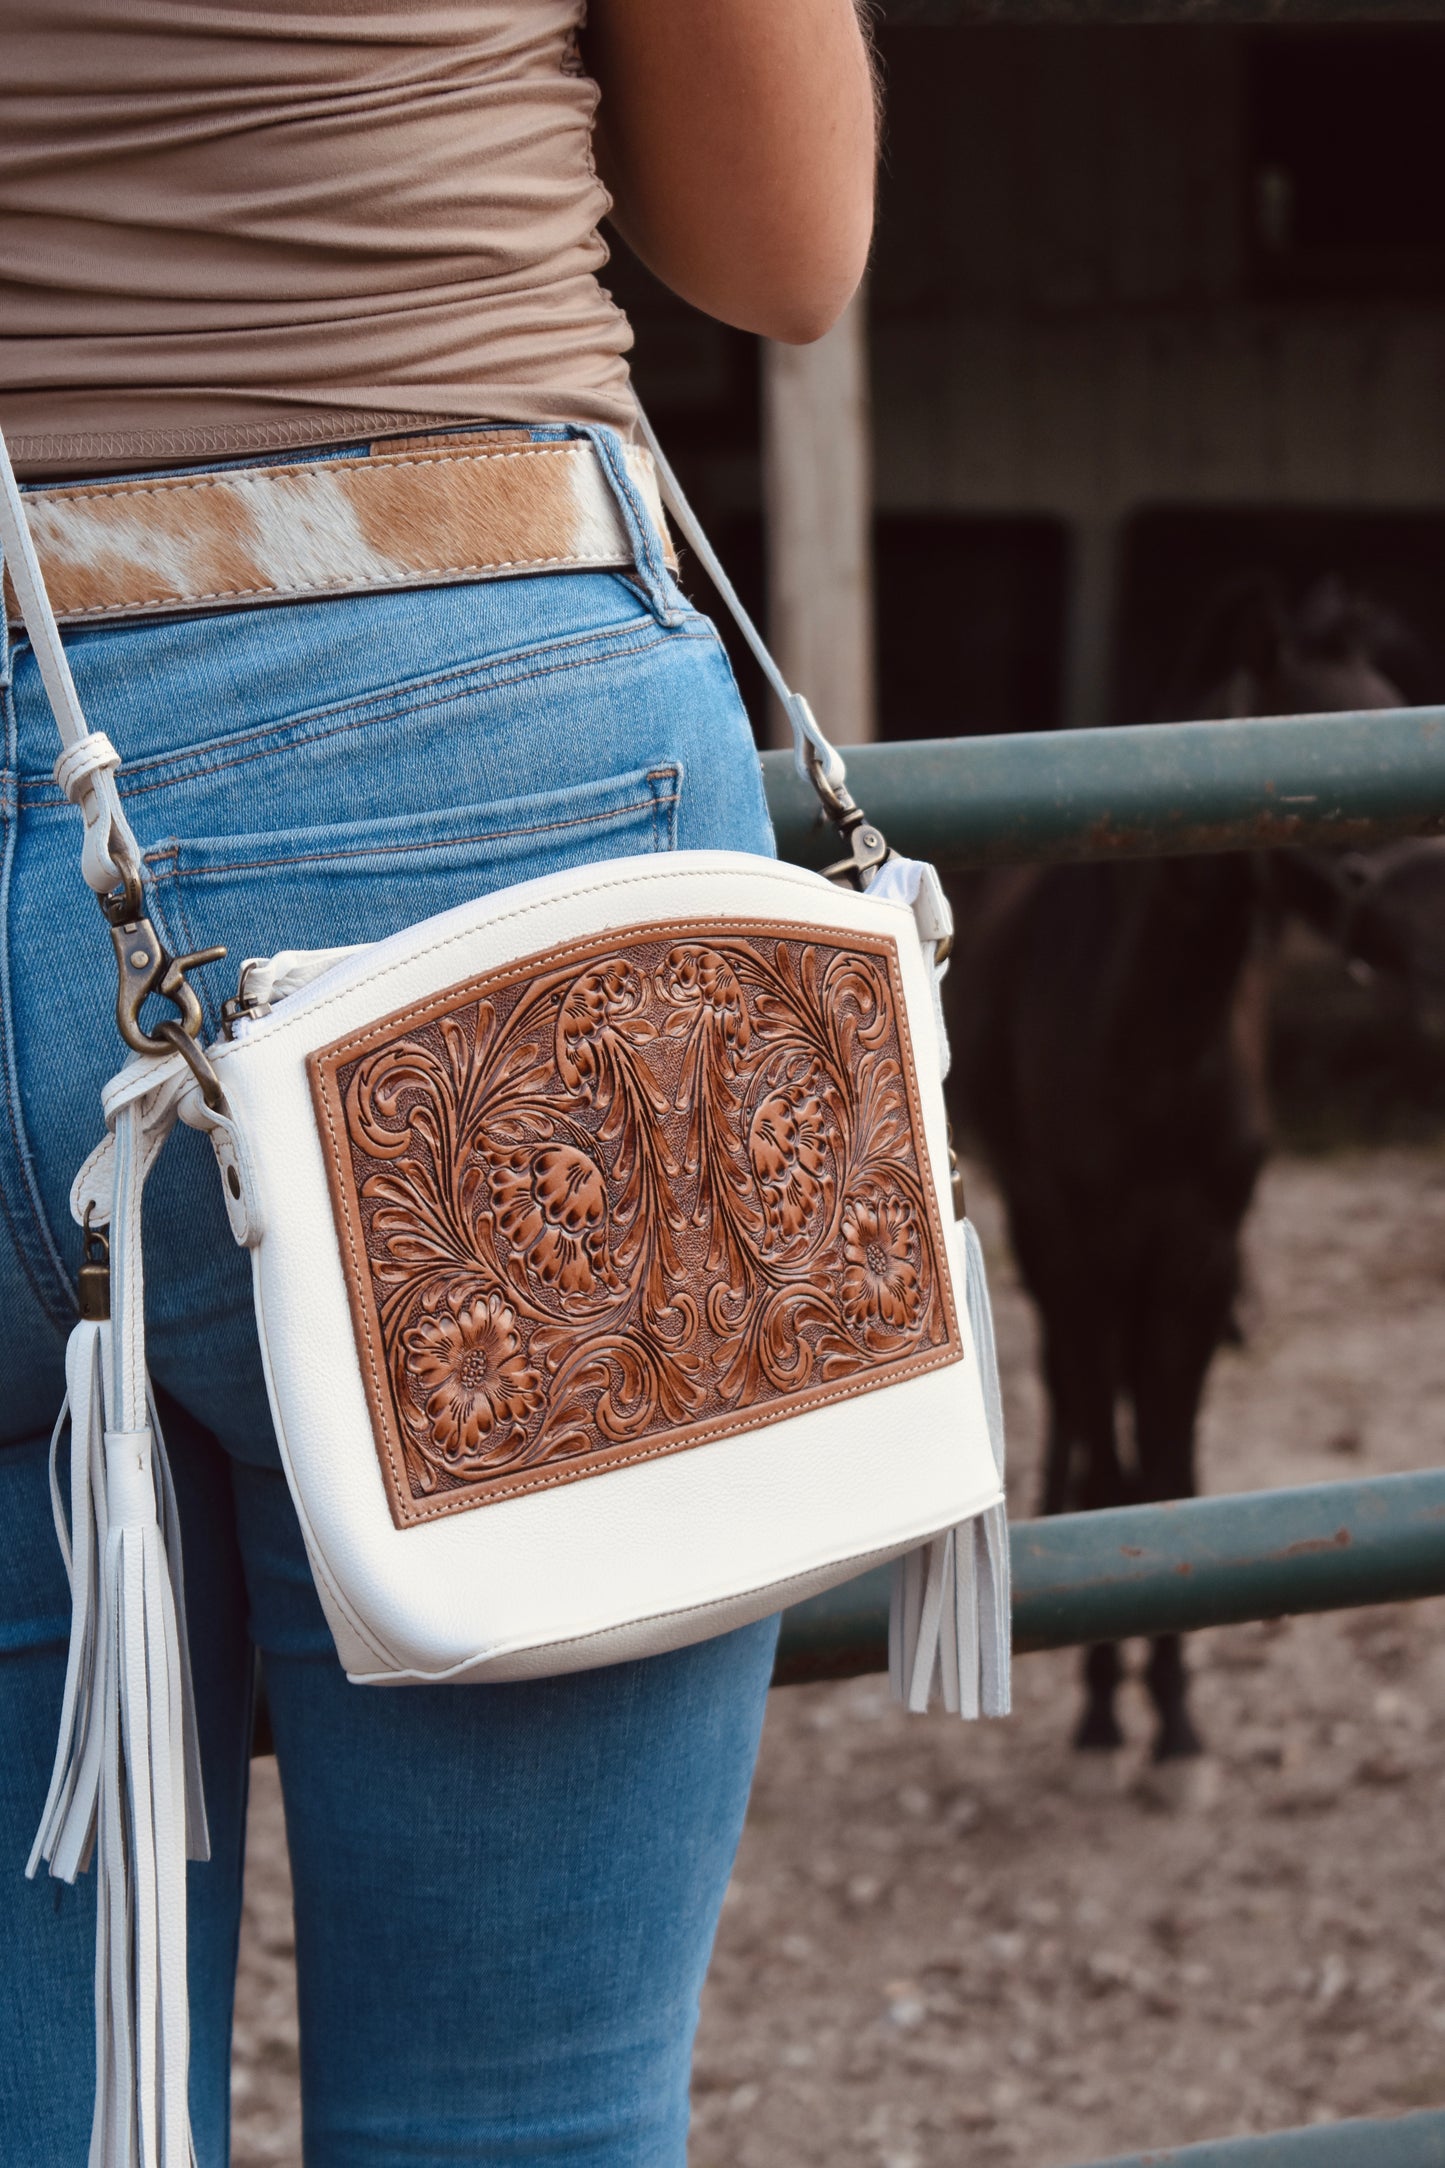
{"type": "Point", "coordinates": [403, 514]}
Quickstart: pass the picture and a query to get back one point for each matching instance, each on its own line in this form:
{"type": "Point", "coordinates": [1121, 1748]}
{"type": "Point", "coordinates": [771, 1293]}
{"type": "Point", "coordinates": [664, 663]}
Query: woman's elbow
{"type": "Point", "coordinates": [783, 263]}
{"type": "Point", "coordinates": [806, 319]}
{"type": "Point", "coordinates": [798, 302]}
{"type": "Point", "coordinates": [793, 305]}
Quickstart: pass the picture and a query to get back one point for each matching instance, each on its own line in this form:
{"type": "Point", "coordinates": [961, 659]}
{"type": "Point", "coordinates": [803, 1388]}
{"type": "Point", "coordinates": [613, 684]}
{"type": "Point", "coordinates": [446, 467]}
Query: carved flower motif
{"type": "Point", "coordinates": [880, 1282]}
{"type": "Point", "coordinates": [788, 1147]}
{"type": "Point", "coordinates": [552, 1207]}
{"type": "Point", "coordinates": [699, 978]}
{"type": "Point", "coordinates": [597, 1004]}
{"type": "Point", "coordinates": [468, 1361]}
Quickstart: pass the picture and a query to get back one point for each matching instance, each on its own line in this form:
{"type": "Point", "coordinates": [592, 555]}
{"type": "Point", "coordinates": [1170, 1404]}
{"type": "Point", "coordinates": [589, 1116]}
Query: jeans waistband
{"type": "Point", "coordinates": [411, 512]}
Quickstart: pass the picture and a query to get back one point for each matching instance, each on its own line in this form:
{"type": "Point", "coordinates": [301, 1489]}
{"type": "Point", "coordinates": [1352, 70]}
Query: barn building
{"type": "Point", "coordinates": [1149, 308]}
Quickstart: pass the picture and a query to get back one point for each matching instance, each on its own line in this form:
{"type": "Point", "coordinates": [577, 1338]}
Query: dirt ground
{"type": "Point", "coordinates": [966, 1946]}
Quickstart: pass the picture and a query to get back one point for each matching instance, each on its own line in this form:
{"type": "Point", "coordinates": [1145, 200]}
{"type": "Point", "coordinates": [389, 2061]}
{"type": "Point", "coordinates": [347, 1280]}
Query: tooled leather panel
{"type": "Point", "coordinates": [628, 1196]}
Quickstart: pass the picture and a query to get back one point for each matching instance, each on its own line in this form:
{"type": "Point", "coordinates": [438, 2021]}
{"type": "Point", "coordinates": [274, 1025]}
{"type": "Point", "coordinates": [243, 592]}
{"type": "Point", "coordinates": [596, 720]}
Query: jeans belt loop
{"type": "Point", "coordinates": [651, 568]}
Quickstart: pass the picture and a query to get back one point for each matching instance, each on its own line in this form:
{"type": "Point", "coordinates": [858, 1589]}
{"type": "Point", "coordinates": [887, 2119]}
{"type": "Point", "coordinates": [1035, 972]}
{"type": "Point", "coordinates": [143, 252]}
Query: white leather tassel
{"type": "Point", "coordinates": [142, 2116]}
{"type": "Point", "coordinates": [993, 1604]}
{"type": "Point", "coordinates": [67, 1825]}
{"type": "Point", "coordinates": [949, 1625]}
{"type": "Point", "coordinates": [126, 1788]}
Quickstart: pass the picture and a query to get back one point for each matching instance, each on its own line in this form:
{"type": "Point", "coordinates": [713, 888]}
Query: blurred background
{"type": "Point", "coordinates": [1148, 314]}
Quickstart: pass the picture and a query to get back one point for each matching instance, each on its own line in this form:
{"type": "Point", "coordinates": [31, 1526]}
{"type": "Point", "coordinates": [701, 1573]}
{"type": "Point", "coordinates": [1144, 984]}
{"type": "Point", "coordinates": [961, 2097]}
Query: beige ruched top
{"type": "Point", "coordinates": [229, 228]}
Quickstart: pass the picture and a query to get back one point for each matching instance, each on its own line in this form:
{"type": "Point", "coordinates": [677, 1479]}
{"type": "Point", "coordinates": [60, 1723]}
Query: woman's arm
{"type": "Point", "coordinates": [738, 139]}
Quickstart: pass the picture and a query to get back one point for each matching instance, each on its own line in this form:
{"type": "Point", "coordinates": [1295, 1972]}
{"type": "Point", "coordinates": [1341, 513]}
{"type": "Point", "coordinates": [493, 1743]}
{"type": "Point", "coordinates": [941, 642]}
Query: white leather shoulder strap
{"type": "Point", "coordinates": [806, 731]}
{"type": "Point", "coordinates": [85, 769]}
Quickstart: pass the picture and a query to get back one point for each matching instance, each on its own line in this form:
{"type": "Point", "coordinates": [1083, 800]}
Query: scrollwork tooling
{"type": "Point", "coordinates": [629, 1196]}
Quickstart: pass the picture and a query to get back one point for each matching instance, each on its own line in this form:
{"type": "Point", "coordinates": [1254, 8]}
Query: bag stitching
{"type": "Point", "coordinates": [503, 1649]}
{"type": "Point", "coordinates": [919, 1366]}
{"type": "Point", "coordinates": [272, 1027]}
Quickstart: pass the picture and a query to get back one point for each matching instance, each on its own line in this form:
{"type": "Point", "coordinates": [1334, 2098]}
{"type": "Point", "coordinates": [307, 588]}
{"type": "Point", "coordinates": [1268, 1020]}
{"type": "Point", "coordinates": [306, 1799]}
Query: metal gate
{"type": "Point", "coordinates": [1339, 779]}
{"type": "Point", "coordinates": [1171, 790]}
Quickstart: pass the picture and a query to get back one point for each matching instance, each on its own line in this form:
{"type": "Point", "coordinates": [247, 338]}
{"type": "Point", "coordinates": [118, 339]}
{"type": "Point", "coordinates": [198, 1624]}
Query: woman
{"type": "Point", "coordinates": [360, 241]}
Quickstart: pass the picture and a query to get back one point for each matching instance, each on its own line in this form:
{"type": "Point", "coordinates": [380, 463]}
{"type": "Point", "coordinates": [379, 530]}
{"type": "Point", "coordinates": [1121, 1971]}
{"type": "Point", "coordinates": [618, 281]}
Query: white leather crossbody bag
{"type": "Point", "coordinates": [609, 1290]}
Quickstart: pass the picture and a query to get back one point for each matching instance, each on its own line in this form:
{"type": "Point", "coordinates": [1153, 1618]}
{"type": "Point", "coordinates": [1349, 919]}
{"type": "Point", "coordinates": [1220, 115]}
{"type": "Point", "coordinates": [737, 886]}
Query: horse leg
{"type": "Point", "coordinates": [1080, 1380]}
{"type": "Point", "coordinates": [1168, 1681]}
{"type": "Point", "coordinates": [1058, 1466]}
{"type": "Point", "coordinates": [1181, 1335]}
{"type": "Point", "coordinates": [1098, 1730]}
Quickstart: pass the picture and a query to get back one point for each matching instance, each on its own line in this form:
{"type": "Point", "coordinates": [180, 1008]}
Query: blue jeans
{"type": "Point", "coordinates": [505, 1896]}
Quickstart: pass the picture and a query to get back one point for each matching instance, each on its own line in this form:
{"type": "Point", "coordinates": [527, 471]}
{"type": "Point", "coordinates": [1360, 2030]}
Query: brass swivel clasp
{"type": "Point", "coordinates": [867, 845]}
{"type": "Point", "coordinates": [144, 966]}
{"type": "Point", "coordinates": [93, 1290]}
{"type": "Point", "coordinates": [867, 850]}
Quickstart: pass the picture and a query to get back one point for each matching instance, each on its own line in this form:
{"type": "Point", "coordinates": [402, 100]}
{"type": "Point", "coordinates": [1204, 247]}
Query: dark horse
{"type": "Point", "coordinates": [1111, 1055]}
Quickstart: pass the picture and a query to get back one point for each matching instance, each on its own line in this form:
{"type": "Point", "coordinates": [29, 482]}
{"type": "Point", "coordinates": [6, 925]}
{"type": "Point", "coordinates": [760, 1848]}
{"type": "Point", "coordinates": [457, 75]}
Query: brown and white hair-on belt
{"type": "Point", "coordinates": [419, 514]}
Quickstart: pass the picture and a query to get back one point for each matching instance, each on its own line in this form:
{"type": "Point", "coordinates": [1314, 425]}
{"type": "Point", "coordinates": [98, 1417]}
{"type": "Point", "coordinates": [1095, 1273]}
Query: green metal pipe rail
{"type": "Point", "coordinates": [1086, 1577]}
{"type": "Point", "coordinates": [1164, 790]}
{"type": "Point", "coordinates": [1169, 791]}
{"type": "Point", "coordinates": [1406, 2141]}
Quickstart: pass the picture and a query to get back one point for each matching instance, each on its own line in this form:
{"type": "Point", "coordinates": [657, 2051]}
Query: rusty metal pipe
{"type": "Point", "coordinates": [1164, 790]}
{"type": "Point", "coordinates": [1405, 2141]}
{"type": "Point", "coordinates": [1169, 1569]}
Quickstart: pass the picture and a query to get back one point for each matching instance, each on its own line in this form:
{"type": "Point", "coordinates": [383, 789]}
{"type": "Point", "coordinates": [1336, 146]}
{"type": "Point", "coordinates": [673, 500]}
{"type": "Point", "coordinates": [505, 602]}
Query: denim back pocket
{"type": "Point", "coordinates": [362, 880]}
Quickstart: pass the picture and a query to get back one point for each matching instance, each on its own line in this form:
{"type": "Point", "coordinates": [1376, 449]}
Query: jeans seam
{"type": "Point", "coordinates": [170, 900]}
{"type": "Point", "coordinates": [51, 1288]}
{"type": "Point", "coordinates": [168, 904]}
{"type": "Point", "coordinates": [664, 806]}
{"type": "Point", "coordinates": [39, 790]}
{"type": "Point", "coordinates": [180, 771]}
{"type": "Point", "coordinates": [178, 873]}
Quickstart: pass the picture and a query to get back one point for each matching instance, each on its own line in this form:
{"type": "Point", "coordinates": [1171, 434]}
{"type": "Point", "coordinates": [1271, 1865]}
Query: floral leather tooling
{"type": "Point", "coordinates": [628, 1196]}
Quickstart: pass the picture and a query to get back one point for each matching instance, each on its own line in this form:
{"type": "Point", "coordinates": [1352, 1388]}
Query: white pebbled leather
{"type": "Point", "coordinates": [631, 1560]}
